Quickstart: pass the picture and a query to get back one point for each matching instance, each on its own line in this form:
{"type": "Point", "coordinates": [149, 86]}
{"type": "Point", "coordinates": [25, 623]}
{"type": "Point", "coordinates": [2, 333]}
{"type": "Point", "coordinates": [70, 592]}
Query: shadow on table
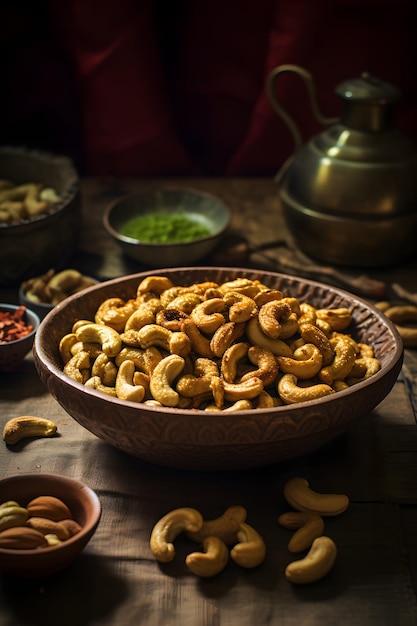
{"type": "Point", "coordinates": [82, 594]}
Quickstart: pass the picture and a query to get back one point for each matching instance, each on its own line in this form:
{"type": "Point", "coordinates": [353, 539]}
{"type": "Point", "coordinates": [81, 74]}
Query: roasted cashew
{"type": "Point", "coordinates": [271, 316]}
{"type": "Point", "coordinates": [200, 344]}
{"type": "Point", "coordinates": [299, 495]}
{"type": "Point", "coordinates": [191, 385]}
{"type": "Point", "coordinates": [308, 527]}
{"type": "Point", "coordinates": [291, 393]}
{"type": "Point", "coordinates": [308, 314]}
{"type": "Point", "coordinates": [169, 527]}
{"type": "Point", "coordinates": [154, 285]}
{"type": "Point", "coordinates": [316, 564]}
{"type": "Point", "coordinates": [95, 383]}
{"type": "Point", "coordinates": [114, 312]}
{"type": "Point", "coordinates": [65, 346]}
{"type": "Point", "coordinates": [343, 360]}
{"type": "Point", "coordinates": [174, 342]}
{"type": "Point", "coordinates": [26, 426]}
{"type": "Point", "coordinates": [105, 369]}
{"type": "Point", "coordinates": [337, 319]}
{"type": "Point", "coordinates": [250, 551]}
{"type": "Point", "coordinates": [402, 315]}
{"type": "Point", "coordinates": [171, 319]}
{"type": "Point", "coordinates": [225, 335]}
{"type": "Point", "coordinates": [266, 401]}
{"type": "Point", "coordinates": [144, 360]}
{"type": "Point", "coordinates": [312, 334]}
{"type": "Point", "coordinates": [144, 314]}
{"type": "Point", "coordinates": [243, 285]}
{"type": "Point", "coordinates": [107, 337]}
{"type": "Point", "coordinates": [33, 204]}
{"type": "Point", "coordinates": [305, 363]}
{"type": "Point", "coordinates": [258, 338]}
{"type": "Point", "coordinates": [230, 360]}
{"type": "Point", "coordinates": [208, 315]}
{"type": "Point", "coordinates": [370, 366]}
{"type": "Point", "coordinates": [125, 386]}
{"type": "Point", "coordinates": [162, 378]}
{"type": "Point", "coordinates": [267, 365]}
{"type": "Point", "coordinates": [241, 307]}
{"type": "Point", "coordinates": [248, 389]}
{"type": "Point", "coordinates": [264, 296]}
{"type": "Point", "coordinates": [78, 367]}
{"type": "Point", "coordinates": [226, 526]}
{"type": "Point", "coordinates": [184, 302]}
{"type": "Point", "coordinates": [210, 562]}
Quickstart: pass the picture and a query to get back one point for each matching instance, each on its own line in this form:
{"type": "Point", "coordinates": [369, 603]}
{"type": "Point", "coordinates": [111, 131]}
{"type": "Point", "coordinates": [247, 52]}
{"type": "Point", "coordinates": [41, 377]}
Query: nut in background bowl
{"type": "Point", "coordinates": [34, 245]}
{"type": "Point", "coordinates": [12, 353]}
{"type": "Point", "coordinates": [215, 440]}
{"type": "Point", "coordinates": [201, 207]}
{"type": "Point", "coordinates": [84, 505]}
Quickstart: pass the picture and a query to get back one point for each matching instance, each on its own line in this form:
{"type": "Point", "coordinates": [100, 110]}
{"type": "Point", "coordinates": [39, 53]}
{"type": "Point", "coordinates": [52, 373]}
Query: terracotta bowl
{"type": "Point", "coordinates": [84, 506]}
{"type": "Point", "coordinates": [208, 441]}
{"type": "Point", "coordinates": [12, 353]}
{"type": "Point", "coordinates": [32, 246]}
{"type": "Point", "coordinates": [200, 207]}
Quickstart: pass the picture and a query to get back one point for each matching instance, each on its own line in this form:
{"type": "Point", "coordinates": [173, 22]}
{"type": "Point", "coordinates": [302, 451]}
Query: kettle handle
{"type": "Point", "coordinates": [284, 115]}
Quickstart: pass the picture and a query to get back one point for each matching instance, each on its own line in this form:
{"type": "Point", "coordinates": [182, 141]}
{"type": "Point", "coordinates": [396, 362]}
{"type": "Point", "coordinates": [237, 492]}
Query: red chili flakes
{"type": "Point", "coordinates": [13, 326]}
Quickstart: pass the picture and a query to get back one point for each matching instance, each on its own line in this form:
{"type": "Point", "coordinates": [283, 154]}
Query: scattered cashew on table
{"type": "Point", "coordinates": [404, 316]}
{"type": "Point", "coordinates": [229, 535]}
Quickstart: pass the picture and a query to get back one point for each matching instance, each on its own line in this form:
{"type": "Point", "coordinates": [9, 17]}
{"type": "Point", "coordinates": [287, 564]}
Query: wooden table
{"type": "Point", "coordinates": [116, 580]}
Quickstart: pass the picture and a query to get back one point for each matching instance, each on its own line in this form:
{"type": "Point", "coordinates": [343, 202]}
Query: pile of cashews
{"type": "Point", "coordinates": [231, 535]}
{"type": "Point", "coordinates": [404, 316]}
{"type": "Point", "coordinates": [232, 346]}
{"type": "Point", "coordinates": [22, 202]}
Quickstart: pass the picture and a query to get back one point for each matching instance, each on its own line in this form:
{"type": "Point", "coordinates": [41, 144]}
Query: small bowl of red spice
{"type": "Point", "coordinates": [18, 326]}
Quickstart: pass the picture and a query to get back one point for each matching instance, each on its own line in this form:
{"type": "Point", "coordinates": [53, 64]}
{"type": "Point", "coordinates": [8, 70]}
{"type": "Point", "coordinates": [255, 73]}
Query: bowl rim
{"type": "Point", "coordinates": [34, 320]}
{"type": "Point", "coordinates": [64, 481]}
{"type": "Point", "coordinates": [166, 190]}
{"type": "Point", "coordinates": [396, 358]}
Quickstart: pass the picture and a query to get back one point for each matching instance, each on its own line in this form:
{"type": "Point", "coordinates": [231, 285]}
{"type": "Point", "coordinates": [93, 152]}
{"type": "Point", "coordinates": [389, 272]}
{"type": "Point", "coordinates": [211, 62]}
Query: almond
{"type": "Point", "coordinates": [50, 507]}
{"type": "Point", "coordinates": [22, 538]}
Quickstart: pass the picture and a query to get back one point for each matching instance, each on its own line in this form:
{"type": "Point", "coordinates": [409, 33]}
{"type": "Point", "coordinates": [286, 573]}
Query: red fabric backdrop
{"type": "Point", "coordinates": [177, 87]}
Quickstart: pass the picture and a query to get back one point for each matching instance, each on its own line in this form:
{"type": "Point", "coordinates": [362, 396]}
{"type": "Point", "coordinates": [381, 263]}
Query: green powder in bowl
{"type": "Point", "coordinates": [164, 228]}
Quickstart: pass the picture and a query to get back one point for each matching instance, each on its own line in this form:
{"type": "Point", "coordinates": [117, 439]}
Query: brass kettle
{"type": "Point", "coordinates": [349, 194]}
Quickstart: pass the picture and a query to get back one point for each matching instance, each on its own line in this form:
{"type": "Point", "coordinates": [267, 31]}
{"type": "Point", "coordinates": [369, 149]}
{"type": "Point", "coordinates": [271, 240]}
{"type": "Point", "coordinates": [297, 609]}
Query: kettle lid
{"type": "Point", "coordinates": [368, 87]}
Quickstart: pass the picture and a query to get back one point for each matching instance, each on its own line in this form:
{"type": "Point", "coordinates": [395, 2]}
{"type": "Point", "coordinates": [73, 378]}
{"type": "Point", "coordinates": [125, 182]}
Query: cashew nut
{"type": "Point", "coordinates": [312, 334]}
{"type": "Point", "coordinates": [126, 389]}
{"type": "Point", "coordinates": [200, 344]}
{"type": "Point", "coordinates": [304, 364]}
{"type": "Point", "coordinates": [230, 359]}
{"type": "Point", "coordinates": [19, 428]}
{"type": "Point", "coordinates": [291, 393]}
{"type": "Point", "coordinates": [105, 369]}
{"type": "Point", "coordinates": [114, 312]}
{"type": "Point", "coordinates": [258, 338]}
{"type": "Point", "coordinates": [241, 307]}
{"type": "Point", "coordinates": [250, 551]}
{"type": "Point", "coordinates": [78, 367]}
{"type": "Point", "coordinates": [402, 315]}
{"type": "Point", "coordinates": [316, 564]}
{"type": "Point", "coordinates": [169, 527]}
{"type": "Point", "coordinates": [343, 360]}
{"type": "Point", "coordinates": [210, 562]}
{"type": "Point", "coordinates": [225, 526]}
{"type": "Point", "coordinates": [270, 316]}
{"type": "Point", "coordinates": [299, 495]}
{"type": "Point", "coordinates": [337, 319]}
{"type": "Point", "coordinates": [191, 385]}
{"type": "Point", "coordinates": [267, 364]}
{"type": "Point", "coordinates": [162, 378]}
{"type": "Point", "coordinates": [208, 315]}
{"type": "Point", "coordinates": [174, 342]}
{"type": "Point", "coordinates": [308, 526]}
{"type": "Point", "coordinates": [107, 337]}
{"type": "Point", "coordinates": [248, 389]}
{"type": "Point", "coordinates": [154, 284]}
{"type": "Point", "coordinates": [225, 335]}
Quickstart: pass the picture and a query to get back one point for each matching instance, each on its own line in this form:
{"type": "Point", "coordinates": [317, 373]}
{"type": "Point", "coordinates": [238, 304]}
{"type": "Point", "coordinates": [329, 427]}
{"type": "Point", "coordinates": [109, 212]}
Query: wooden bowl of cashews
{"type": "Point", "coordinates": [40, 216]}
{"type": "Point", "coordinates": [210, 368]}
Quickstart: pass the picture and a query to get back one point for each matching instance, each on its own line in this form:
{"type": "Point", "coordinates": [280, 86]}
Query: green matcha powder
{"type": "Point", "coordinates": [164, 228]}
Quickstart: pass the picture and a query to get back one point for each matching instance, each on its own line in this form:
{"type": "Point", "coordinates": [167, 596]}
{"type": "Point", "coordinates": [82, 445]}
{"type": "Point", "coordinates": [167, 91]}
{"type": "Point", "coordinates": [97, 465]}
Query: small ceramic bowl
{"type": "Point", "coordinates": [84, 505]}
{"type": "Point", "coordinates": [42, 308]}
{"type": "Point", "coordinates": [12, 353]}
{"type": "Point", "coordinates": [199, 207]}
